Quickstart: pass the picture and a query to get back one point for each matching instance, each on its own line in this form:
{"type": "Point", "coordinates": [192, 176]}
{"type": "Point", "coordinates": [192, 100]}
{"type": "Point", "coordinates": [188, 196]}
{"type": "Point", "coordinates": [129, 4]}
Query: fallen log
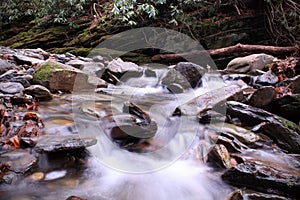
{"type": "Point", "coordinates": [236, 50]}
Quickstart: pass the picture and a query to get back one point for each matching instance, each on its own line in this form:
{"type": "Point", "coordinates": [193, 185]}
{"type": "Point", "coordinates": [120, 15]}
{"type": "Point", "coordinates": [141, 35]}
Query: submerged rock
{"type": "Point", "coordinates": [11, 87]}
{"type": "Point", "coordinates": [284, 133]}
{"type": "Point", "coordinates": [263, 178]}
{"type": "Point", "coordinates": [249, 64]}
{"type": "Point", "coordinates": [39, 92]}
{"type": "Point", "coordinates": [50, 144]}
{"type": "Point", "coordinates": [186, 74]}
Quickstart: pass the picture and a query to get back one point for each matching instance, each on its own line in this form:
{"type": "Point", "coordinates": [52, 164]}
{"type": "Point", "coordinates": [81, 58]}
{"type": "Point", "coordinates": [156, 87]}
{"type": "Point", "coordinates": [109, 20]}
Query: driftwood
{"type": "Point", "coordinates": [236, 50]}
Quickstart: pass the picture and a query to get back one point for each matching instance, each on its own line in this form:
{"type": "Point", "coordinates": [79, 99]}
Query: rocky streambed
{"type": "Point", "coordinates": [101, 128]}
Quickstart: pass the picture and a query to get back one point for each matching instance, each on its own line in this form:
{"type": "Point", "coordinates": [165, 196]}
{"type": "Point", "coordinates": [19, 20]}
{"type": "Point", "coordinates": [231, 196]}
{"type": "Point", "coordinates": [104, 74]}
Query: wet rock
{"type": "Point", "coordinates": [57, 76]}
{"type": "Point", "coordinates": [243, 135]}
{"type": "Point", "coordinates": [209, 99]}
{"type": "Point", "coordinates": [235, 195]}
{"type": "Point", "coordinates": [210, 116]}
{"type": "Point", "coordinates": [21, 59]}
{"type": "Point", "coordinates": [118, 69]}
{"type": "Point", "coordinates": [284, 133]}
{"type": "Point", "coordinates": [295, 85]}
{"type": "Point", "coordinates": [186, 74]}
{"type": "Point", "coordinates": [75, 198]}
{"type": "Point", "coordinates": [249, 64]}
{"type": "Point", "coordinates": [248, 79]}
{"type": "Point", "coordinates": [175, 88]}
{"type": "Point", "coordinates": [218, 155]}
{"type": "Point", "coordinates": [262, 97]}
{"type": "Point", "coordinates": [51, 144]}
{"type": "Point", "coordinates": [288, 107]}
{"type": "Point", "coordinates": [126, 129]}
{"type": "Point", "coordinates": [39, 92]}
{"type": "Point", "coordinates": [149, 73]}
{"type": "Point", "coordinates": [20, 160]}
{"type": "Point", "coordinates": [263, 178]}
{"type": "Point", "coordinates": [231, 143]}
{"type": "Point", "coordinates": [267, 78]}
{"type": "Point", "coordinates": [251, 195]}
{"type": "Point", "coordinates": [131, 127]}
{"type": "Point", "coordinates": [4, 66]}
{"type": "Point", "coordinates": [11, 88]}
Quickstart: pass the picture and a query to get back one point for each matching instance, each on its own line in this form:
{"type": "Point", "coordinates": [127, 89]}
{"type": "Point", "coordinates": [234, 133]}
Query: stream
{"type": "Point", "coordinates": [174, 163]}
{"type": "Point", "coordinates": [171, 172]}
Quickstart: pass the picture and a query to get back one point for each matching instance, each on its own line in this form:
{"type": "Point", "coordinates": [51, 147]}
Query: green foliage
{"type": "Point", "coordinates": [43, 11]}
{"type": "Point", "coordinates": [130, 11]}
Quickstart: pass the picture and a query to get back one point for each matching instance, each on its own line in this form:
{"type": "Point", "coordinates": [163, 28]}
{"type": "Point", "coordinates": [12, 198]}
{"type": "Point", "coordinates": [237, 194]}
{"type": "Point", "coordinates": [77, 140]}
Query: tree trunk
{"type": "Point", "coordinates": [236, 50]}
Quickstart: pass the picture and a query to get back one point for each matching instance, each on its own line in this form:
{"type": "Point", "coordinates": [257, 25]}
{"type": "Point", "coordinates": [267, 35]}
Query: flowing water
{"type": "Point", "coordinates": [172, 170]}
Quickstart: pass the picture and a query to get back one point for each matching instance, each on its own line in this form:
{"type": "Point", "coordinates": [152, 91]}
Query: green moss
{"type": "Point", "coordinates": [43, 73]}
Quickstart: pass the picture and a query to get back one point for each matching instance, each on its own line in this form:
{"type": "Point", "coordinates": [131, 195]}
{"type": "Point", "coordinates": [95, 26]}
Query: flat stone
{"type": "Point", "coordinates": [50, 144]}
{"type": "Point", "coordinates": [19, 160]}
{"type": "Point", "coordinates": [39, 92]}
{"type": "Point", "coordinates": [11, 87]}
{"type": "Point", "coordinates": [21, 59]}
{"type": "Point", "coordinates": [249, 64]}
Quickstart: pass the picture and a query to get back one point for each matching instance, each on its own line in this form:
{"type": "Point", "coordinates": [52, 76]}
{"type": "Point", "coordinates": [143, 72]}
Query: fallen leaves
{"type": "Point", "coordinates": [11, 131]}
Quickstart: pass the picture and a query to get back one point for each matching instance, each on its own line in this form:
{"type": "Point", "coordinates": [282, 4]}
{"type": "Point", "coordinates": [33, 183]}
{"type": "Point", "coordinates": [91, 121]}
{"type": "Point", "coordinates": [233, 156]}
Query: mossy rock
{"type": "Point", "coordinates": [44, 72]}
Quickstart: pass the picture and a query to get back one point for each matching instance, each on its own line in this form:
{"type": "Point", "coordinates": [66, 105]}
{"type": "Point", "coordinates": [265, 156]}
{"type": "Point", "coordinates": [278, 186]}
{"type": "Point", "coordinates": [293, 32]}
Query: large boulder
{"type": "Point", "coordinates": [57, 76]}
{"type": "Point", "coordinates": [186, 74]}
{"type": "Point", "coordinates": [249, 63]}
